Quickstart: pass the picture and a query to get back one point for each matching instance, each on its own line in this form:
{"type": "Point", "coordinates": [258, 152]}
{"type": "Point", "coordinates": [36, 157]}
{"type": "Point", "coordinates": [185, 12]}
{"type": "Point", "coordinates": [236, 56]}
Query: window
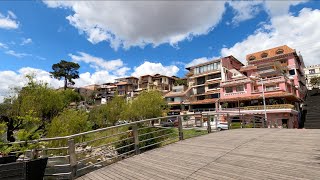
{"type": "Point", "coordinates": [200, 80]}
{"type": "Point", "coordinates": [271, 88]}
{"type": "Point", "coordinates": [240, 88]}
{"type": "Point", "coordinates": [292, 72]}
{"type": "Point", "coordinates": [264, 55]}
{"type": "Point", "coordinates": [201, 98]}
{"type": "Point", "coordinates": [312, 71]}
{"type": "Point", "coordinates": [200, 90]}
{"type": "Point", "coordinates": [229, 89]}
{"type": "Point", "coordinates": [252, 58]}
{"type": "Point", "coordinates": [279, 51]}
{"type": "Point", "coordinates": [213, 86]}
{"type": "Point", "coordinates": [212, 96]}
{"type": "Point", "coordinates": [214, 76]}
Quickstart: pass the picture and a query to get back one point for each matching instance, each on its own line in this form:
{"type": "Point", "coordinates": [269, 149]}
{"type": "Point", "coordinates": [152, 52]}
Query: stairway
{"type": "Point", "coordinates": [313, 110]}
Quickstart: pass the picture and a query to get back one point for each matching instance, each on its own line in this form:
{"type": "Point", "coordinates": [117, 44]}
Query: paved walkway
{"type": "Point", "coordinates": [234, 154]}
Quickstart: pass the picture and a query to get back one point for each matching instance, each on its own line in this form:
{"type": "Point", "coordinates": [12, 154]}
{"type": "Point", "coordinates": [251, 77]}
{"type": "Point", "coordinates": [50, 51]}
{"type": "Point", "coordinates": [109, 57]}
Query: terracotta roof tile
{"type": "Point", "coordinates": [271, 52]}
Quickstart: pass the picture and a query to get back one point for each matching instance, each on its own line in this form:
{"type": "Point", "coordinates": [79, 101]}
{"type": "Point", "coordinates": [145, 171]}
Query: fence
{"type": "Point", "coordinates": [74, 155]}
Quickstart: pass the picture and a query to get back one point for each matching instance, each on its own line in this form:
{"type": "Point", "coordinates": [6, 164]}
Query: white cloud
{"type": "Point", "coordinates": [299, 32]}
{"type": "Point", "coordinates": [96, 62]}
{"type": "Point", "coordinates": [16, 79]}
{"type": "Point", "coordinates": [279, 8]}
{"type": "Point", "coordinates": [4, 46]}
{"type": "Point", "coordinates": [8, 22]}
{"type": "Point", "coordinates": [26, 41]}
{"type": "Point", "coordinates": [139, 23]}
{"type": "Point", "coordinates": [12, 79]}
{"type": "Point", "coordinates": [155, 68]}
{"type": "Point", "coordinates": [18, 55]}
{"type": "Point", "coordinates": [245, 10]}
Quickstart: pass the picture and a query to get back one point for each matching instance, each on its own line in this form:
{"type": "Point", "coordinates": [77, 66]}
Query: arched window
{"type": "Point", "coordinates": [264, 55]}
{"type": "Point", "coordinates": [279, 51]}
{"type": "Point", "coordinates": [252, 58]}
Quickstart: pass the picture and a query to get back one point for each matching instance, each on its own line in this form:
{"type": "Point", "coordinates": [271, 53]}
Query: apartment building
{"type": "Point", "coordinates": [105, 93]}
{"type": "Point", "coordinates": [278, 74]}
{"type": "Point", "coordinates": [178, 99]}
{"type": "Point", "coordinates": [127, 87]}
{"type": "Point", "coordinates": [156, 82]}
{"type": "Point", "coordinates": [204, 80]}
{"type": "Point", "coordinates": [311, 71]}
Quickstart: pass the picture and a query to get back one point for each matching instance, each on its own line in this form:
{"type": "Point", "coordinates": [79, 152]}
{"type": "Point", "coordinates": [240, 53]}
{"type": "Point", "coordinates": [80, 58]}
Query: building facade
{"type": "Point", "coordinates": [275, 75]}
{"type": "Point", "coordinates": [312, 71]}
{"type": "Point", "coordinates": [204, 80]}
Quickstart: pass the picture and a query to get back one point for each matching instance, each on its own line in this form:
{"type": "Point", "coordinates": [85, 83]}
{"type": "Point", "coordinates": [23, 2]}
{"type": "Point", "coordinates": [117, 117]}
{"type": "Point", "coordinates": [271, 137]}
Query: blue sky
{"type": "Point", "coordinates": [110, 39]}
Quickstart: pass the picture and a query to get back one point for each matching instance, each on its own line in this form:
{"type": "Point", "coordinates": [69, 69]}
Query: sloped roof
{"type": "Point", "coordinates": [270, 52]}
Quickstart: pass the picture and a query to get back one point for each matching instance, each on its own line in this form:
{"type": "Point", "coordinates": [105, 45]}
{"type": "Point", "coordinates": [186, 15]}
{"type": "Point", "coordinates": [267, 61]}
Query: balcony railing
{"type": "Point", "coordinates": [233, 82]}
{"type": "Point", "coordinates": [277, 106]}
{"type": "Point", "coordinates": [272, 80]}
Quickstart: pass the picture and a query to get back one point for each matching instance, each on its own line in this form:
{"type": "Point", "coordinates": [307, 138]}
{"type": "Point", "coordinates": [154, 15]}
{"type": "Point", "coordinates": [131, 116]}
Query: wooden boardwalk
{"type": "Point", "coordinates": [234, 154]}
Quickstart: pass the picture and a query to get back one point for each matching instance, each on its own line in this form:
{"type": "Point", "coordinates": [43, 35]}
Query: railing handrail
{"type": "Point", "coordinates": [92, 131]}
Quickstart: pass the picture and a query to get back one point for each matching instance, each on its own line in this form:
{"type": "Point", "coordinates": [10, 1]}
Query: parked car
{"type": "Point", "coordinates": [169, 123]}
{"type": "Point", "coordinates": [220, 126]}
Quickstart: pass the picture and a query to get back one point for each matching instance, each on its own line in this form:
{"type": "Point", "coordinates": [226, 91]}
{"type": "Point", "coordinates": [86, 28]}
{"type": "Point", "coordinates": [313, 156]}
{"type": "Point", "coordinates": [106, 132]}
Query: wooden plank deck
{"type": "Point", "coordinates": [235, 154]}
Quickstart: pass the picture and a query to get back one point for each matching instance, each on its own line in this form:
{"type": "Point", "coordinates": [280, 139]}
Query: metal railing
{"type": "Point", "coordinates": [74, 155]}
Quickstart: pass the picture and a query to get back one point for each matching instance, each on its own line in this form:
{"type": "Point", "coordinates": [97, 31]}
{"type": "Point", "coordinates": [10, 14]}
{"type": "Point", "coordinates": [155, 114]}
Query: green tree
{"type": "Point", "coordinates": [149, 104]}
{"type": "Point", "coordinates": [32, 108]}
{"type": "Point", "coordinates": [66, 70]}
{"type": "Point", "coordinates": [180, 82]}
{"type": "Point", "coordinates": [315, 81]}
{"type": "Point", "coordinates": [114, 109]}
{"type": "Point", "coordinates": [98, 116]}
{"type": "Point", "coordinates": [69, 122]}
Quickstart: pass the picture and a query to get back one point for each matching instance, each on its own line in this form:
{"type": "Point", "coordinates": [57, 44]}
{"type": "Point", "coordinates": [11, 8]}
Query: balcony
{"type": "Point", "coordinates": [234, 82]}
{"type": "Point", "coordinates": [277, 106]}
{"type": "Point", "coordinates": [235, 93]}
{"type": "Point", "coordinates": [272, 80]}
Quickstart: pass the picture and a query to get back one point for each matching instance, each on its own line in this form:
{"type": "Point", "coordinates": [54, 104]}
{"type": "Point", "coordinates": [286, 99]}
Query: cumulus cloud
{"type": "Point", "coordinates": [96, 62]}
{"type": "Point", "coordinates": [139, 23]}
{"type": "Point", "coordinates": [16, 79]}
{"type": "Point", "coordinates": [245, 10]}
{"type": "Point", "coordinates": [8, 22]}
{"type": "Point", "coordinates": [150, 68]}
{"type": "Point", "coordinates": [299, 32]}
{"type": "Point", "coordinates": [26, 41]}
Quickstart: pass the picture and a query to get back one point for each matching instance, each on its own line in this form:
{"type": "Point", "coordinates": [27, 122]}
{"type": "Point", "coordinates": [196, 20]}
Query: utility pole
{"type": "Point", "coordinates": [264, 101]}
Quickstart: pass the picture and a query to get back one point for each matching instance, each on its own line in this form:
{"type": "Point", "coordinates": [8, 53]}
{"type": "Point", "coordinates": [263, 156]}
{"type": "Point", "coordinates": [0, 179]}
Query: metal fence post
{"type": "Point", "coordinates": [229, 123]}
{"type": "Point", "coordinates": [216, 122]}
{"type": "Point", "coordinates": [180, 128]}
{"type": "Point", "coordinates": [208, 123]}
{"type": "Point", "coordinates": [136, 138]}
{"type": "Point", "coordinates": [72, 158]}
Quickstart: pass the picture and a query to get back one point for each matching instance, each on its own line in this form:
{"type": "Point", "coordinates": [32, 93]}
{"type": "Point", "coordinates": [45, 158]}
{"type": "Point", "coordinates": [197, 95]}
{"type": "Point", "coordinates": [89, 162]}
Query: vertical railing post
{"type": "Point", "coordinates": [254, 123]}
{"type": "Point", "coordinates": [208, 123]}
{"type": "Point", "coordinates": [72, 158]}
{"type": "Point", "coordinates": [229, 123]}
{"type": "Point", "coordinates": [180, 128]}
{"type": "Point", "coordinates": [216, 122]}
{"type": "Point", "coordinates": [136, 138]}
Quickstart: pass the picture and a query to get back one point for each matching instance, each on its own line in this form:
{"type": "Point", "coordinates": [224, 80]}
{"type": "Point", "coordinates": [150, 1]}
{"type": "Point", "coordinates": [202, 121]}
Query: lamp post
{"type": "Point", "coordinates": [264, 101]}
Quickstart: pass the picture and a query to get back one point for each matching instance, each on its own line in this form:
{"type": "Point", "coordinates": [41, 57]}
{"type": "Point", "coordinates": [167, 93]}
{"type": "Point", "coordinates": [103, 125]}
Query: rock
{"type": "Point", "coordinates": [98, 159]}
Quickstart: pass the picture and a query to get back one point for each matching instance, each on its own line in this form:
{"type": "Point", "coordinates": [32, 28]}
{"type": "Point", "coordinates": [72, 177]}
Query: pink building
{"type": "Point", "coordinates": [278, 72]}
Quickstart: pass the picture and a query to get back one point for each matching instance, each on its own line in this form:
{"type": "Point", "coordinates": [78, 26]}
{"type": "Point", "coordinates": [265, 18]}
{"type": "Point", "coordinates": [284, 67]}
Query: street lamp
{"type": "Point", "coordinates": [264, 101]}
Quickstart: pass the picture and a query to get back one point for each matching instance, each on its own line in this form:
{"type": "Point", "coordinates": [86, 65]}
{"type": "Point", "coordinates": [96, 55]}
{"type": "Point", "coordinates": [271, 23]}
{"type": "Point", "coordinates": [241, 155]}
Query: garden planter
{"type": "Point", "coordinates": [8, 159]}
{"type": "Point", "coordinates": [28, 170]}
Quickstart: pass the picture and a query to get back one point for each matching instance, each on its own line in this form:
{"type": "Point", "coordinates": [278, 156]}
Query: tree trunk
{"type": "Point", "coordinates": [65, 83]}
{"type": "Point", "coordinates": [10, 128]}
